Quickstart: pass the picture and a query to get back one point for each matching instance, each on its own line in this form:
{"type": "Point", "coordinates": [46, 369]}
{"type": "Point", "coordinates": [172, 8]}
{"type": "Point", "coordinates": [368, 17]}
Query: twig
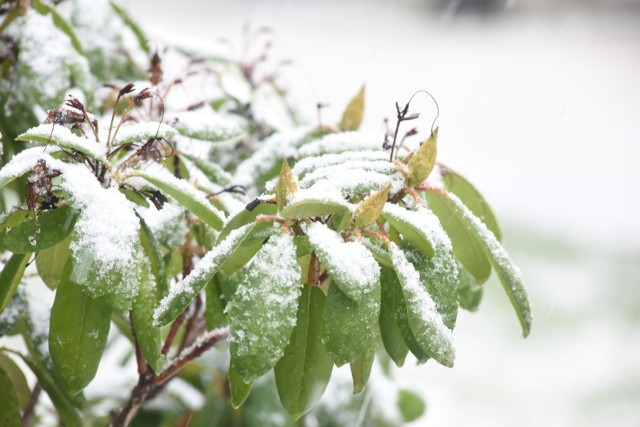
{"type": "Point", "coordinates": [149, 383]}
{"type": "Point", "coordinates": [27, 416]}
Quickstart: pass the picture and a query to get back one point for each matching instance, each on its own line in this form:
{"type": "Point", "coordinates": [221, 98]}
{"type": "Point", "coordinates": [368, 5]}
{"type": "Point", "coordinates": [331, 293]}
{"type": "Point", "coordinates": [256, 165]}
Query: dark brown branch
{"type": "Point", "coordinates": [27, 416]}
{"type": "Point", "coordinates": [149, 383]}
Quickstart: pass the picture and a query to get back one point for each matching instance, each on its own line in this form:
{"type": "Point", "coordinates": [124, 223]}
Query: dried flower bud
{"type": "Point", "coordinates": [74, 102]}
{"type": "Point", "coordinates": [128, 88]}
{"type": "Point", "coordinates": [143, 94]}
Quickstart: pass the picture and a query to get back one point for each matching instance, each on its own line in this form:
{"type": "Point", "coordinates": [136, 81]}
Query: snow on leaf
{"type": "Point", "coordinates": [426, 324]}
{"type": "Point", "coordinates": [270, 154]}
{"type": "Point", "coordinates": [205, 124]}
{"type": "Point", "coordinates": [509, 274]}
{"type": "Point", "coordinates": [440, 275]}
{"type": "Point", "coordinates": [49, 64]}
{"type": "Point", "coordinates": [183, 292]}
{"type": "Point", "coordinates": [105, 243]}
{"type": "Point", "coordinates": [307, 165]}
{"type": "Point", "coordinates": [342, 142]}
{"type": "Point", "coordinates": [62, 137]}
{"type": "Point", "coordinates": [382, 167]}
{"type": "Point", "coordinates": [22, 162]}
{"type": "Point", "coordinates": [167, 224]}
{"type": "Point", "coordinates": [185, 194]}
{"type": "Point", "coordinates": [421, 227]}
{"type": "Point", "coordinates": [314, 202]}
{"type": "Point", "coordinates": [141, 132]}
{"type": "Point", "coordinates": [351, 265]}
{"type": "Point", "coordinates": [263, 311]}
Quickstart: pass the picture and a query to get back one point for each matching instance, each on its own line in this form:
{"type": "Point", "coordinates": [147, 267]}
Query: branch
{"type": "Point", "coordinates": [149, 383]}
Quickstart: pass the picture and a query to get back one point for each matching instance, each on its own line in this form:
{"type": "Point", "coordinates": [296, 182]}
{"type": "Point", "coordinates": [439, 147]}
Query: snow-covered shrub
{"type": "Point", "coordinates": [177, 226]}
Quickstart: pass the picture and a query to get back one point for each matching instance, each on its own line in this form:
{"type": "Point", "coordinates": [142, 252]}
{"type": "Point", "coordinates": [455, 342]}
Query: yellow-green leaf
{"type": "Point", "coordinates": [423, 159]}
{"type": "Point", "coordinates": [286, 185]}
{"type": "Point", "coordinates": [352, 116]}
{"type": "Point", "coordinates": [370, 209]}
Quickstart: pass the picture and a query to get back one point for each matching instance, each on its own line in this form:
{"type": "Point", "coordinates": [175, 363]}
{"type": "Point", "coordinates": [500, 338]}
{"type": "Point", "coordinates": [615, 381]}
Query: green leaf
{"type": "Point", "coordinates": [129, 22]}
{"type": "Point", "coordinates": [415, 226]}
{"type": "Point", "coordinates": [507, 272]}
{"type": "Point", "coordinates": [54, 227]}
{"type": "Point", "coordinates": [311, 206]}
{"type": "Point", "coordinates": [238, 388]}
{"type": "Point", "coordinates": [181, 295]}
{"type": "Point", "coordinates": [458, 185]}
{"type": "Point", "coordinates": [469, 292]}
{"type": "Point", "coordinates": [13, 313]}
{"type": "Point", "coordinates": [423, 159]}
{"type": "Point", "coordinates": [185, 194]}
{"type": "Point", "coordinates": [68, 414]}
{"type": "Point", "coordinates": [142, 132]}
{"type": "Point", "coordinates": [262, 313]}
{"type": "Point", "coordinates": [303, 372]}
{"type": "Point", "coordinates": [349, 327]}
{"type": "Point", "coordinates": [77, 334]}
{"type": "Point", "coordinates": [389, 329]}
{"type": "Point", "coordinates": [214, 305]}
{"type": "Point", "coordinates": [402, 318]}
{"type": "Point", "coordinates": [352, 116]}
{"type": "Point", "coordinates": [286, 185]}
{"type": "Point", "coordinates": [425, 322]}
{"type": "Point", "coordinates": [59, 22]}
{"type": "Point", "coordinates": [50, 262]}
{"type": "Point", "coordinates": [212, 171]}
{"type": "Point", "coordinates": [466, 247]}
{"type": "Point", "coordinates": [9, 409]}
{"type": "Point", "coordinates": [440, 276]}
{"type": "Point", "coordinates": [62, 137]}
{"type": "Point", "coordinates": [142, 319]}
{"type": "Point", "coordinates": [15, 374]}
{"type": "Point", "coordinates": [370, 209]}
{"type": "Point", "coordinates": [153, 252]}
{"type": "Point", "coordinates": [10, 277]}
{"type": "Point", "coordinates": [361, 367]}
{"type": "Point", "coordinates": [411, 405]}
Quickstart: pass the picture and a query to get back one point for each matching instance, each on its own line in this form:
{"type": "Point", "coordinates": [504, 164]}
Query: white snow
{"type": "Point", "coordinates": [310, 164]}
{"type": "Point", "coordinates": [205, 124]}
{"type": "Point", "coordinates": [168, 224]}
{"type": "Point", "coordinates": [186, 289]}
{"type": "Point", "coordinates": [424, 221]}
{"type": "Point", "coordinates": [66, 139]}
{"type": "Point", "coordinates": [106, 240]}
{"type": "Point", "coordinates": [342, 142]}
{"type": "Point", "coordinates": [143, 132]}
{"type": "Point", "coordinates": [419, 303]}
{"type": "Point", "coordinates": [351, 265]}
{"type": "Point", "coordinates": [22, 162]}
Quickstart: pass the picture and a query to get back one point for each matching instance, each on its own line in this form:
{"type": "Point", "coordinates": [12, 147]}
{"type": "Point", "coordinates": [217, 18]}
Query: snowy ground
{"type": "Point", "coordinates": [539, 108]}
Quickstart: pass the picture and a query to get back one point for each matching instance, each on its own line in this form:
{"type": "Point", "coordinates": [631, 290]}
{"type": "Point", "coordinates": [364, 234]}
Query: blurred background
{"type": "Point", "coordinates": [540, 107]}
